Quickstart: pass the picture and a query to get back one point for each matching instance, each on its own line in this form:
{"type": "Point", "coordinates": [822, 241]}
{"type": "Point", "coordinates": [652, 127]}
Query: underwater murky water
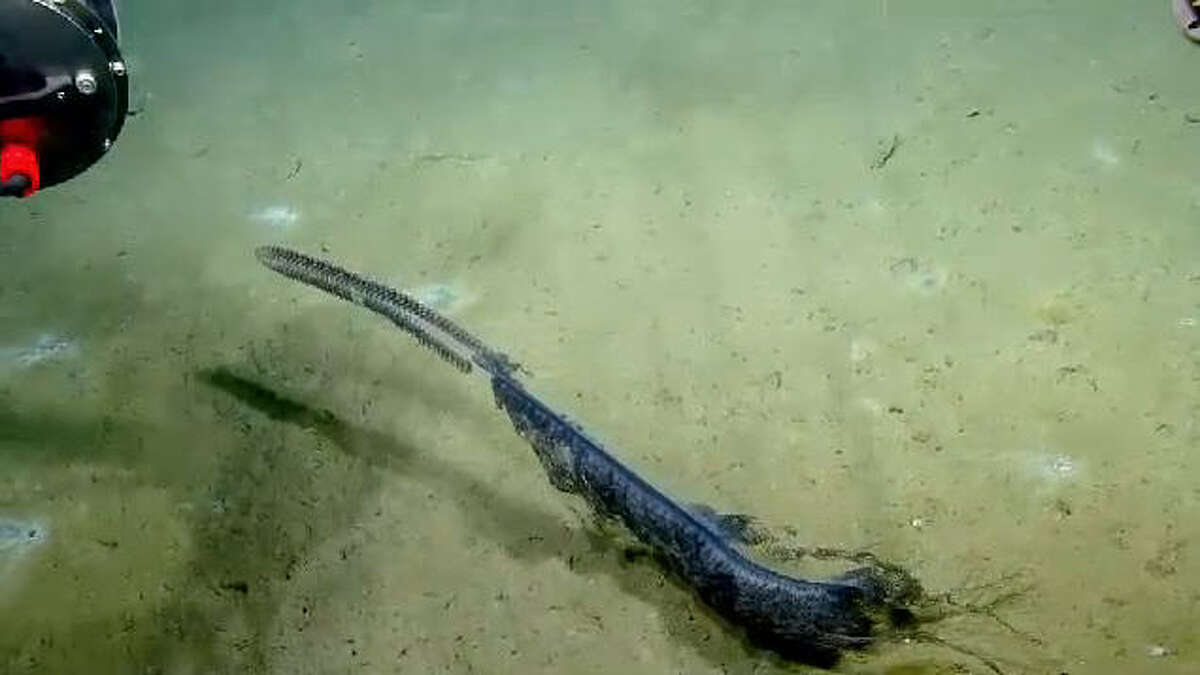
{"type": "Point", "coordinates": [915, 278]}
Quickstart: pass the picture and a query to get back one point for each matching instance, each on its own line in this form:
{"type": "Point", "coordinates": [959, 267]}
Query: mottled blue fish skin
{"type": "Point", "coordinates": [806, 620]}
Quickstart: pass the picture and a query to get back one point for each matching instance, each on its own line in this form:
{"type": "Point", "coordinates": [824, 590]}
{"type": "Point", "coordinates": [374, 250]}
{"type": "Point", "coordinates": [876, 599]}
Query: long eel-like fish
{"type": "Point", "coordinates": [812, 621]}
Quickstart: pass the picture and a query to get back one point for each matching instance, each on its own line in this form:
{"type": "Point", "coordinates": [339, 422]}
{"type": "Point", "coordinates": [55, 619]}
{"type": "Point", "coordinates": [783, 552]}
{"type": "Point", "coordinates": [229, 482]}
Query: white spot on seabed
{"type": "Point", "coordinates": [861, 349]}
{"type": "Point", "coordinates": [1051, 467]}
{"type": "Point", "coordinates": [278, 216]}
{"type": "Point", "coordinates": [48, 347]}
{"type": "Point", "coordinates": [445, 298]}
{"type": "Point", "coordinates": [1058, 467]}
{"type": "Point", "coordinates": [1042, 466]}
{"type": "Point", "coordinates": [1104, 153]}
{"type": "Point", "coordinates": [17, 536]}
{"type": "Point", "coordinates": [1158, 651]}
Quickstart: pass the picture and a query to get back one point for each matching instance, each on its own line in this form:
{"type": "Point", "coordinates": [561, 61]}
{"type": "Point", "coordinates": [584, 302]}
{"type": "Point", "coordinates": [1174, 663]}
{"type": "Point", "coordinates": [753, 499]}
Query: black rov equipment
{"type": "Point", "coordinates": [64, 90]}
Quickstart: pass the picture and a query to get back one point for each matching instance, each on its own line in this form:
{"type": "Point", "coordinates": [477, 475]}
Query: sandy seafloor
{"type": "Point", "coordinates": [979, 358]}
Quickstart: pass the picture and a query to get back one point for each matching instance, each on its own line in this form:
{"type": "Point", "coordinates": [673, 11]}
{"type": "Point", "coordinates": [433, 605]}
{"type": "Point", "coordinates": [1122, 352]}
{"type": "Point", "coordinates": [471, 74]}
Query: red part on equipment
{"type": "Point", "coordinates": [20, 159]}
{"type": "Point", "coordinates": [18, 138]}
{"type": "Point", "coordinates": [23, 130]}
